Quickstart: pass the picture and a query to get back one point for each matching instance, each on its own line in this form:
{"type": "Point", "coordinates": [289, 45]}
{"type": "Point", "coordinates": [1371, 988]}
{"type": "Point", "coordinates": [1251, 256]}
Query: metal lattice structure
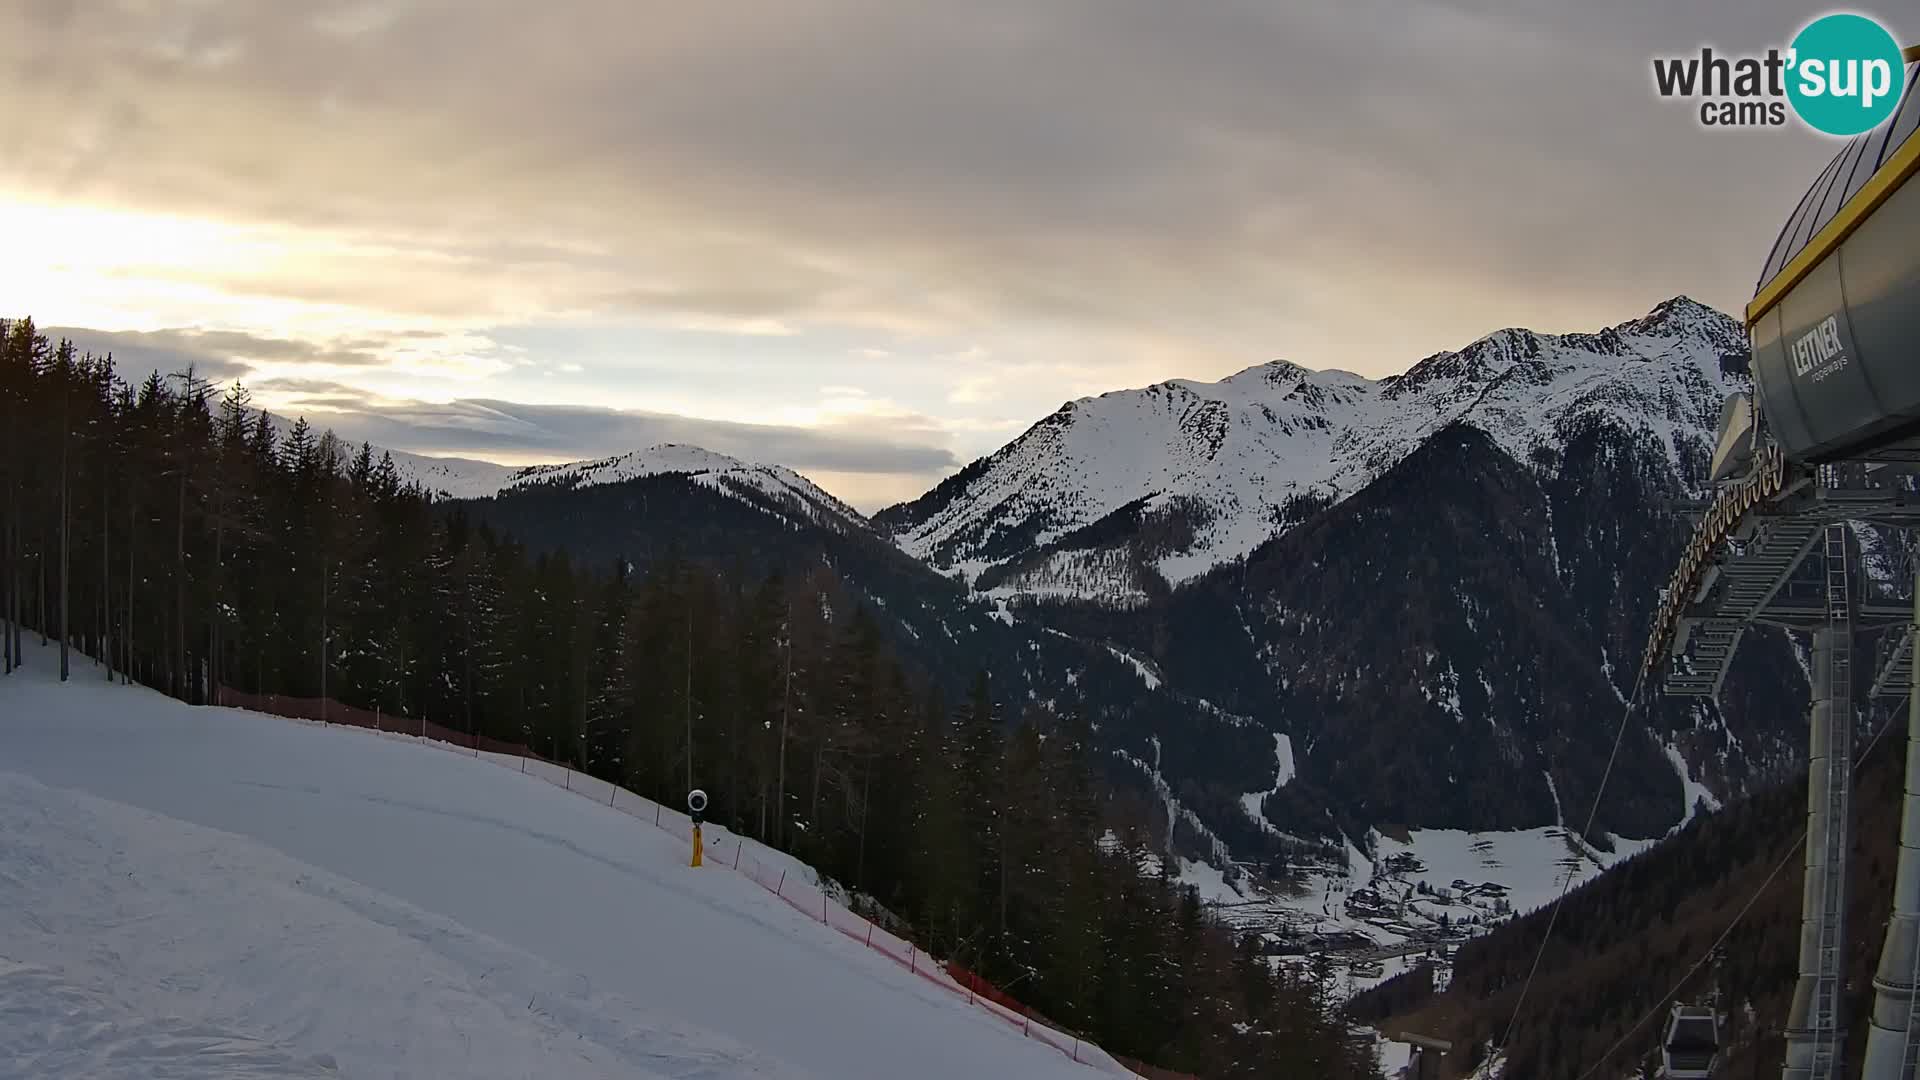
{"type": "Point", "coordinates": [1830, 436]}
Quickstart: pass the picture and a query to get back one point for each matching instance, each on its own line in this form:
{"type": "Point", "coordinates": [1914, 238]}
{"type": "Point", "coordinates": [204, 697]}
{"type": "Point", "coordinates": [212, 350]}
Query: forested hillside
{"type": "Point", "coordinates": [174, 533]}
{"type": "Point", "coordinates": [1623, 942]}
{"type": "Point", "coordinates": [1430, 584]}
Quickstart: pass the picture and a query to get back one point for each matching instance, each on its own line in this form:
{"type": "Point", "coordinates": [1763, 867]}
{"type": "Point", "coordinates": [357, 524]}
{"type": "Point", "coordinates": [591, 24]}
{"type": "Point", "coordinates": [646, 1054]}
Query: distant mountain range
{"type": "Point", "coordinates": [1115, 497]}
{"type": "Point", "coordinates": [1434, 586]}
{"type": "Point", "coordinates": [461, 478]}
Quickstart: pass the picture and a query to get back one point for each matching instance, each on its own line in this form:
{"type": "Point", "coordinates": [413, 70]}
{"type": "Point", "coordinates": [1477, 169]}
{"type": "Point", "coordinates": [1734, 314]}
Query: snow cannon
{"type": "Point", "coordinates": [1835, 319]}
{"type": "Point", "coordinates": [696, 805]}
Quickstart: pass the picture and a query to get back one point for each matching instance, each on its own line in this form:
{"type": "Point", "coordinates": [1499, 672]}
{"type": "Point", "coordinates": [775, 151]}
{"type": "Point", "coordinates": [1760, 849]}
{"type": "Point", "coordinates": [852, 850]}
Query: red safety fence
{"type": "Point", "coordinates": [1153, 1072]}
{"type": "Point", "coordinates": [329, 711]}
{"type": "Point", "coordinates": [774, 871]}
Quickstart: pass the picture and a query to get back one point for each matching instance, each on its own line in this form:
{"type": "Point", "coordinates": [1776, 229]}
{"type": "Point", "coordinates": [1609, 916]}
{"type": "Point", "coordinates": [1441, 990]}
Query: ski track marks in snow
{"type": "Point", "coordinates": [188, 931]}
{"type": "Point", "coordinates": [266, 891]}
{"type": "Point", "coordinates": [51, 1027]}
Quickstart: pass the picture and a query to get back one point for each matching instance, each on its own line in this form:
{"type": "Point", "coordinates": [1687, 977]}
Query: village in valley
{"type": "Point", "coordinates": [1355, 922]}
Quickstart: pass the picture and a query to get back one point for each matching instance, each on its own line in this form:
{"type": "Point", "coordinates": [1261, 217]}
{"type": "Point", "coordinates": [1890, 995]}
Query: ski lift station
{"type": "Point", "coordinates": [1830, 435]}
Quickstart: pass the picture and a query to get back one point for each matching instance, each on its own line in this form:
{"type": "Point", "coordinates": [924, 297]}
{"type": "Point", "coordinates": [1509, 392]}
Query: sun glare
{"type": "Point", "coordinates": [114, 269]}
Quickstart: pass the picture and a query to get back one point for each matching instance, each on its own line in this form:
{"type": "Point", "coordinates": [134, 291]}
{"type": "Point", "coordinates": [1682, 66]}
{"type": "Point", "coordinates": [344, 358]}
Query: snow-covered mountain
{"type": "Point", "coordinates": [1426, 586]}
{"type": "Point", "coordinates": [1429, 585]}
{"type": "Point", "coordinates": [777, 485]}
{"type": "Point", "coordinates": [1197, 474]}
{"type": "Point", "coordinates": [451, 477]}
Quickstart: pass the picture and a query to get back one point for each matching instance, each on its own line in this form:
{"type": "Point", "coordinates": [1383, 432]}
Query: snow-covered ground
{"type": "Point", "coordinates": [1393, 1056]}
{"type": "Point", "coordinates": [1696, 793]}
{"type": "Point", "coordinates": [214, 893]}
{"type": "Point", "coordinates": [1413, 897]}
{"type": "Point", "coordinates": [1284, 771]}
{"type": "Point", "coordinates": [1531, 865]}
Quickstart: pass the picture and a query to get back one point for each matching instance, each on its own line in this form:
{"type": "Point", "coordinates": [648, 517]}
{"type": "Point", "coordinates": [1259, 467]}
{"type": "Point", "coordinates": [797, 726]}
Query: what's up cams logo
{"type": "Point", "coordinates": [1842, 75]}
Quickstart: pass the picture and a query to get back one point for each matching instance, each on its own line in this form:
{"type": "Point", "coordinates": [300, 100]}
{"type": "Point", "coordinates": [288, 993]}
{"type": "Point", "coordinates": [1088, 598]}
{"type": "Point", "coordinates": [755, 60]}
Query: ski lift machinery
{"type": "Point", "coordinates": [1829, 436]}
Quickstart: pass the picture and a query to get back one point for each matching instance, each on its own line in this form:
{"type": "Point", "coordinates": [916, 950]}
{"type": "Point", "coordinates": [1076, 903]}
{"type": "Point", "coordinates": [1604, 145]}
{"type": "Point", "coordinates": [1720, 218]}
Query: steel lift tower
{"type": "Point", "coordinates": [1830, 435]}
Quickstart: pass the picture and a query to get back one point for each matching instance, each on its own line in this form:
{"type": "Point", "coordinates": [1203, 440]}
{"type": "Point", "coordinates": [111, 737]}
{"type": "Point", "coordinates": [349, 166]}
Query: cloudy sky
{"type": "Point", "coordinates": [871, 239]}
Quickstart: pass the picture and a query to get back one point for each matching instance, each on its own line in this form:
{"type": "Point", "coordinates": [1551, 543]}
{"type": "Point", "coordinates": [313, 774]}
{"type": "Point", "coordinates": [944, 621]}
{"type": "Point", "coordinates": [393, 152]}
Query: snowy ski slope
{"type": "Point", "coordinates": [213, 893]}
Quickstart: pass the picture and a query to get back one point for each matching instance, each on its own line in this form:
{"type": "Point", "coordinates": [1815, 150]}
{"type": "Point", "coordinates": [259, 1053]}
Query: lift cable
{"type": "Point", "coordinates": [1593, 812]}
{"type": "Point", "coordinates": [1738, 916]}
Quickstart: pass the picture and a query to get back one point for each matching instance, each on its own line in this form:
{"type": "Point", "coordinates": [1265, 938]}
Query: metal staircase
{"type": "Point", "coordinates": [1741, 588]}
{"type": "Point", "coordinates": [1824, 1018]}
{"type": "Point", "coordinates": [1896, 664]}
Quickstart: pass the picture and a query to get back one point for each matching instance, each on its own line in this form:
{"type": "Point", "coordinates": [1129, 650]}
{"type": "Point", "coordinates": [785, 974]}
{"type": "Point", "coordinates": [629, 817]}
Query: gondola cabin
{"type": "Point", "coordinates": [1691, 1049]}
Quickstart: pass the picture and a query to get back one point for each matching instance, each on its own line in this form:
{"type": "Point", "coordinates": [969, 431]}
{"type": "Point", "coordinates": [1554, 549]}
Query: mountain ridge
{"type": "Point", "coordinates": [1236, 608]}
{"type": "Point", "coordinates": [1231, 454]}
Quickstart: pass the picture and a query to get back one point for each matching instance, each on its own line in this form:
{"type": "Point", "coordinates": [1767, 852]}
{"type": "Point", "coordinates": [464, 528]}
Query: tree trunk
{"type": "Point", "coordinates": [866, 820]}
{"type": "Point", "coordinates": [126, 632]}
{"type": "Point", "coordinates": [1005, 829]}
{"type": "Point", "coordinates": [689, 691]}
{"type": "Point", "coordinates": [786, 706]}
{"type": "Point", "coordinates": [215, 642]}
{"type": "Point", "coordinates": [66, 539]}
{"type": "Point", "coordinates": [106, 581]}
{"type": "Point", "coordinates": [813, 801]}
{"type": "Point", "coordinates": [6, 583]}
{"type": "Point", "coordinates": [179, 678]}
{"type": "Point", "coordinates": [466, 680]}
{"type": "Point", "coordinates": [323, 636]}
{"type": "Point", "coordinates": [19, 587]}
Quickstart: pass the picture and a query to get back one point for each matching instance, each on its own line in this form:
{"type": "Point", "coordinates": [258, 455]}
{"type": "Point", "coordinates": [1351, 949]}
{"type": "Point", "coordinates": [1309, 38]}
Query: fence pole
{"type": "Point", "coordinates": [1076, 1049]}
{"type": "Point", "coordinates": [736, 852]}
{"type": "Point", "coordinates": [869, 934]}
{"type": "Point", "coordinates": [823, 908]}
{"type": "Point", "coordinates": [782, 885]}
{"type": "Point", "coordinates": [567, 781]}
{"type": "Point", "coordinates": [913, 958]}
{"type": "Point", "coordinates": [656, 815]}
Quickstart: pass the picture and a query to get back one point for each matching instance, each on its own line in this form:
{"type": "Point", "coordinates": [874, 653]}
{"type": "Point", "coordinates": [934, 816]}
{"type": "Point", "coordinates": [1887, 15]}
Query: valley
{"type": "Point", "coordinates": [1197, 568]}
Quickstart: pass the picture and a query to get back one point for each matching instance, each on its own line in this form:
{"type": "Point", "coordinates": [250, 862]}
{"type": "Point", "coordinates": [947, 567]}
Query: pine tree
{"type": "Point", "coordinates": [298, 567]}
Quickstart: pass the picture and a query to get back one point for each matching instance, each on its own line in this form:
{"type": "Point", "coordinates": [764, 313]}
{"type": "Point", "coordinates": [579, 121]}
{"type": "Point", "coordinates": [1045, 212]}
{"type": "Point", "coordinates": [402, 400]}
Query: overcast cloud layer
{"type": "Point", "coordinates": [867, 239]}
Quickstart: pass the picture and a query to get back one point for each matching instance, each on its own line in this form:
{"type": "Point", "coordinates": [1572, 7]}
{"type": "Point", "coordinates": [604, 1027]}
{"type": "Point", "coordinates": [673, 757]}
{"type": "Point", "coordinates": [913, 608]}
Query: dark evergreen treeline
{"type": "Point", "coordinates": [187, 543]}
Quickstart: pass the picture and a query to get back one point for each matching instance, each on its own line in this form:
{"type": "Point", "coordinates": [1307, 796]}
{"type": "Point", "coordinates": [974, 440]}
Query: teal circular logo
{"type": "Point", "coordinates": [1844, 74]}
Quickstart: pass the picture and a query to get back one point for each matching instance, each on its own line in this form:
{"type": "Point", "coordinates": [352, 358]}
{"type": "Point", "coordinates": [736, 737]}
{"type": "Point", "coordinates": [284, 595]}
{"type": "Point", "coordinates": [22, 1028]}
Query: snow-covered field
{"type": "Point", "coordinates": [1530, 864]}
{"type": "Point", "coordinates": [214, 893]}
{"type": "Point", "coordinates": [1376, 908]}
